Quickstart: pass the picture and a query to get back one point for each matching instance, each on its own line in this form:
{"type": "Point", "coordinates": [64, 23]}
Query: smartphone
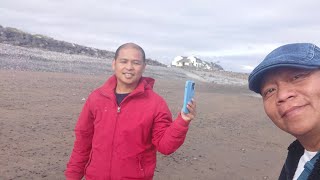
{"type": "Point", "coordinates": [188, 95]}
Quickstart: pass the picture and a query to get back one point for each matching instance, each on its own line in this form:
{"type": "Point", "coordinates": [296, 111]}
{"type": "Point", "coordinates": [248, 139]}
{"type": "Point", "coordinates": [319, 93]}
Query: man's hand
{"type": "Point", "coordinates": [192, 111]}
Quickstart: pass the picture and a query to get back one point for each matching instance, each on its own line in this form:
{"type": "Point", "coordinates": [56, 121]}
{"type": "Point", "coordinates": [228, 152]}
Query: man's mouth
{"type": "Point", "coordinates": [291, 111]}
{"type": "Point", "coordinates": [128, 75]}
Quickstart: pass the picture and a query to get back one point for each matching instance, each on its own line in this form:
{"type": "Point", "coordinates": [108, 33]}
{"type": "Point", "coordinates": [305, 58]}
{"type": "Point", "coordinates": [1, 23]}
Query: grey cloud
{"type": "Point", "coordinates": [170, 28]}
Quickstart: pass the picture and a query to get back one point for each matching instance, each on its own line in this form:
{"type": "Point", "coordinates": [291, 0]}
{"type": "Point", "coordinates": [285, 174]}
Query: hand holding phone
{"type": "Point", "coordinates": [188, 95]}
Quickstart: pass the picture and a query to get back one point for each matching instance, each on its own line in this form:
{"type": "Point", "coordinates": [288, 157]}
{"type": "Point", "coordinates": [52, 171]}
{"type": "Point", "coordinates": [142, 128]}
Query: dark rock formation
{"type": "Point", "coordinates": [17, 37]}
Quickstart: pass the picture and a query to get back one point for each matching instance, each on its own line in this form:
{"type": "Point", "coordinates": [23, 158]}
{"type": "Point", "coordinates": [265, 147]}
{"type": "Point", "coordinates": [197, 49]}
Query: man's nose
{"type": "Point", "coordinates": [129, 65]}
{"type": "Point", "coordinates": [285, 92]}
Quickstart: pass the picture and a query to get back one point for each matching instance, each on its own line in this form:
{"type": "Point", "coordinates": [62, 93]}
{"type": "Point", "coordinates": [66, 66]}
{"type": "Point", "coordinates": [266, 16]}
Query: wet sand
{"type": "Point", "coordinates": [231, 137]}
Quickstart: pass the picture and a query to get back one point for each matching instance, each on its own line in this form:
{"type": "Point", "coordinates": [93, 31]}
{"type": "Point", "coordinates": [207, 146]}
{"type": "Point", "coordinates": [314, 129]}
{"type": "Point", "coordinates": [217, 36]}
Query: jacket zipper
{"type": "Point", "coordinates": [114, 132]}
{"type": "Point", "coordinates": [115, 129]}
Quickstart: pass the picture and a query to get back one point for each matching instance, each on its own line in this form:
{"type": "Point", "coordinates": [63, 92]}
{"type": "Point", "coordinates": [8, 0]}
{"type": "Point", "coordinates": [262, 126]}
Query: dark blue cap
{"type": "Point", "coordinates": [298, 55]}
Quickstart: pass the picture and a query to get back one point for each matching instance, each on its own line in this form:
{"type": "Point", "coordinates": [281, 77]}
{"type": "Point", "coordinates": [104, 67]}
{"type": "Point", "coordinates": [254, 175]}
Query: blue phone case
{"type": "Point", "coordinates": [188, 95]}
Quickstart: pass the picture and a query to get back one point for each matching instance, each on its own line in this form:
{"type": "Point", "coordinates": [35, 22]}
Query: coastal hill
{"type": "Point", "coordinates": [16, 37]}
{"type": "Point", "coordinates": [32, 52]}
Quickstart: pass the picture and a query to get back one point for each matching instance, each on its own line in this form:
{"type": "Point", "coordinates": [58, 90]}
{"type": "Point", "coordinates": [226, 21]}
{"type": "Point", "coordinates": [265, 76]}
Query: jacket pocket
{"type": "Point", "coordinates": [133, 168]}
{"type": "Point", "coordinates": [141, 165]}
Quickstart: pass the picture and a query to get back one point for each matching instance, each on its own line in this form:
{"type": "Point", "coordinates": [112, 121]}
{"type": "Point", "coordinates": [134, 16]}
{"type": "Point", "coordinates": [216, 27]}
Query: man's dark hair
{"type": "Point", "coordinates": [132, 45]}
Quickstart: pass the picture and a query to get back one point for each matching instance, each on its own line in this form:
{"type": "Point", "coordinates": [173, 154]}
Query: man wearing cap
{"type": "Point", "coordinates": [288, 80]}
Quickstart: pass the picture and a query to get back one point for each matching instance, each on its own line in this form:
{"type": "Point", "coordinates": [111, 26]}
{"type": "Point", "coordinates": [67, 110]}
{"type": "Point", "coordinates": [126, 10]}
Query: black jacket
{"type": "Point", "coordinates": [295, 151]}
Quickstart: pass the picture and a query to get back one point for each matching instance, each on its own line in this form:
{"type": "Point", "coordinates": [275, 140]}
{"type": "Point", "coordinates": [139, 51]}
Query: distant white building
{"type": "Point", "coordinates": [175, 60]}
{"type": "Point", "coordinates": [191, 61]}
{"type": "Point", "coordinates": [186, 61]}
{"type": "Point", "coordinates": [195, 61]}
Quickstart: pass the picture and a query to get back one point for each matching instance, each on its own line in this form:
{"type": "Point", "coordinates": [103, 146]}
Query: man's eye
{"type": "Point", "coordinates": [137, 62]}
{"type": "Point", "coordinates": [300, 75]}
{"type": "Point", "coordinates": [268, 91]}
{"type": "Point", "coordinates": [297, 76]}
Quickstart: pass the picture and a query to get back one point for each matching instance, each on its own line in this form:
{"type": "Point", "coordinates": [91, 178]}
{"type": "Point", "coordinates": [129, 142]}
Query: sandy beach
{"type": "Point", "coordinates": [231, 137]}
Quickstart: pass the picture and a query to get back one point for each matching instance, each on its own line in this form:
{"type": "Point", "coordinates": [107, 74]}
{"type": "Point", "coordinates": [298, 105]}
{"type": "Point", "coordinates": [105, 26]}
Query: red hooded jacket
{"type": "Point", "coordinates": [120, 142]}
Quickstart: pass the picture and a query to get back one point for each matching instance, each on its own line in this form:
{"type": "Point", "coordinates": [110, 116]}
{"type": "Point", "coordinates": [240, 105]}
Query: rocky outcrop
{"type": "Point", "coordinates": [26, 52]}
{"type": "Point", "coordinates": [17, 37]}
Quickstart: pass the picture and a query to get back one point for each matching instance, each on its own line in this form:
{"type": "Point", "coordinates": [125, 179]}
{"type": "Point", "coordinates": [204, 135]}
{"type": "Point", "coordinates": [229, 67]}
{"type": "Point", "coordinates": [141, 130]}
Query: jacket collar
{"type": "Point", "coordinates": [295, 152]}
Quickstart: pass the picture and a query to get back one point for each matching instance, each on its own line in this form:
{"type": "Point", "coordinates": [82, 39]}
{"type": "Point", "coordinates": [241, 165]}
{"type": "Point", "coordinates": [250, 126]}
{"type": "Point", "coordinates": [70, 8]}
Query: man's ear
{"type": "Point", "coordinates": [113, 64]}
{"type": "Point", "coordinates": [144, 68]}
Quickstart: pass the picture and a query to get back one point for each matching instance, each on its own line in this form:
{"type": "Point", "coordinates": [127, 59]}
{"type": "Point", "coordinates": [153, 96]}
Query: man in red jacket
{"type": "Point", "coordinates": [124, 123]}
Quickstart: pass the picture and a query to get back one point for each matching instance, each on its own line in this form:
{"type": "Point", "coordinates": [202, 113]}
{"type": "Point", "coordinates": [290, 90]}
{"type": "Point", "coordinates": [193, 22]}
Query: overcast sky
{"type": "Point", "coordinates": [237, 34]}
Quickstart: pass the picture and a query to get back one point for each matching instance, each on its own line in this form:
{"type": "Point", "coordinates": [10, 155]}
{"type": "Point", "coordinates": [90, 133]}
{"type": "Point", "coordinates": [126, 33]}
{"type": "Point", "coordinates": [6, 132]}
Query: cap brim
{"type": "Point", "coordinates": [256, 77]}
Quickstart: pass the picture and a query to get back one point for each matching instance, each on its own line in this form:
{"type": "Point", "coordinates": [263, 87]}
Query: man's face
{"type": "Point", "coordinates": [128, 67]}
{"type": "Point", "coordinates": [291, 99]}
